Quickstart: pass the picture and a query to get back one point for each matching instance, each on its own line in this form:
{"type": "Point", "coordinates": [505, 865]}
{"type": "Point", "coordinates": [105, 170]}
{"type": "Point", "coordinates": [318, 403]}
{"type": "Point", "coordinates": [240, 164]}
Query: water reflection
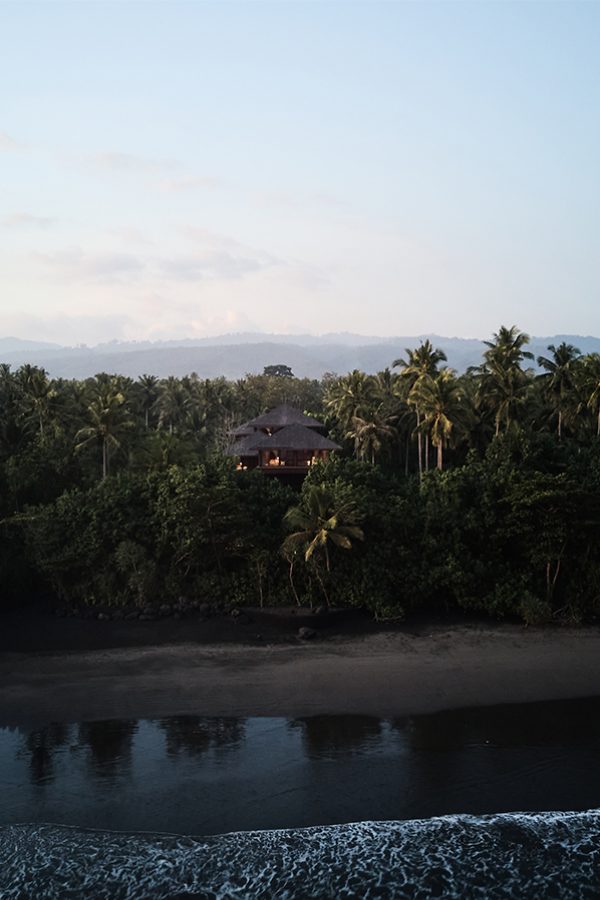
{"type": "Point", "coordinates": [109, 744]}
{"type": "Point", "coordinates": [40, 747]}
{"type": "Point", "coordinates": [192, 774]}
{"type": "Point", "coordinates": [195, 735]}
{"type": "Point", "coordinates": [333, 735]}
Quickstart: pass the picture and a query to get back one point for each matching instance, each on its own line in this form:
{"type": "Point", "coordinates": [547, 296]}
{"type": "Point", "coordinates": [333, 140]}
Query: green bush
{"type": "Point", "coordinates": [534, 611]}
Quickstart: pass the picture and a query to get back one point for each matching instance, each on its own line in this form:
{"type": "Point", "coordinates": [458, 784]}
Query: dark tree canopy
{"type": "Point", "coordinates": [278, 371]}
{"type": "Point", "coordinates": [478, 491]}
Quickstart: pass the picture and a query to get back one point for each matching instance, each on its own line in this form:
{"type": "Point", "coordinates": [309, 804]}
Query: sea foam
{"type": "Point", "coordinates": [511, 855]}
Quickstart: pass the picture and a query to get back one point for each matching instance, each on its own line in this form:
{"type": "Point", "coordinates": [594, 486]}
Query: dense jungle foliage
{"type": "Point", "coordinates": [478, 491]}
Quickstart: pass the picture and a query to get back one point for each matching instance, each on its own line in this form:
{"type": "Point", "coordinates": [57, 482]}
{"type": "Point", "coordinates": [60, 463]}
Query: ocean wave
{"type": "Point", "coordinates": [543, 855]}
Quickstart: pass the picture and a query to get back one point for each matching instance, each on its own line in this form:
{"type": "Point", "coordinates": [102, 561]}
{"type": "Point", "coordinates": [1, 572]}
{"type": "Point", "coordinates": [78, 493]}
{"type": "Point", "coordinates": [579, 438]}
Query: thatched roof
{"type": "Point", "coordinates": [292, 437]}
{"type": "Point", "coordinates": [284, 415]}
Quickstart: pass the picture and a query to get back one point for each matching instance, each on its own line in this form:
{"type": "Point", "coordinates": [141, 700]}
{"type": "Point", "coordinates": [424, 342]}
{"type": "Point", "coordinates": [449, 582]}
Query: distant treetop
{"type": "Point", "coordinates": [279, 371]}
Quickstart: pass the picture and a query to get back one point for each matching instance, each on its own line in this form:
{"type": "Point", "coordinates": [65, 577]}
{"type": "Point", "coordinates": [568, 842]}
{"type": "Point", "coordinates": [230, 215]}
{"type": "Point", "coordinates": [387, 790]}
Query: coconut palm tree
{"type": "Point", "coordinates": [160, 450]}
{"type": "Point", "coordinates": [318, 524]}
{"type": "Point", "coordinates": [558, 379]}
{"type": "Point", "coordinates": [14, 431]}
{"type": "Point", "coordinates": [439, 399]}
{"type": "Point", "coordinates": [503, 385]}
{"type": "Point", "coordinates": [369, 435]}
{"type": "Point", "coordinates": [39, 394]}
{"type": "Point", "coordinates": [590, 385]}
{"type": "Point", "coordinates": [108, 417]}
{"type": "Point", "coordinates": [173, 404]}
{"type": "Point", "coordinates": [148, 391]}
{"type": "Point", "coordinates": [387, 384]}
{"type": "Point", "coordinates": [422, 362]}
{"type": "Point", "coordinates": [352, 395]}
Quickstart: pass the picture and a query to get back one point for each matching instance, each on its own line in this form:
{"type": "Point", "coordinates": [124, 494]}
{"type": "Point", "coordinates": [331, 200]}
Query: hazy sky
{"type": "Point", "coordinates": [180, 169]}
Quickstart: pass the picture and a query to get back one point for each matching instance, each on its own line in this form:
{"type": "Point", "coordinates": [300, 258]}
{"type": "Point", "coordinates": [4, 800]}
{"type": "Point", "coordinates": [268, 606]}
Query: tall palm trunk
{"type": "Point", "coordinates": [323, 588]}
{"type": "Point", "coordinates": [293, 586]}
{"type": "Point", "coordinates": [440, 456]}
{"type": "Point", "coordinates": [105, 462]}
{"type": "Point", "coordinates": [427, 452]}
{"type": "Point", "coordinates": [419, 443]}
{"type": "Point", "coordinates": [560, 416]}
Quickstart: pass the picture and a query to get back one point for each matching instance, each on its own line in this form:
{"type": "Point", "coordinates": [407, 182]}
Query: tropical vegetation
{"type": "Point", "coordinates": [475, 491]}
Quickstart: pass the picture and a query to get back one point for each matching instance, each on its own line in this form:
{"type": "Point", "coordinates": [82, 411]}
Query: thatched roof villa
{"type": "Point", "coordinates": [283, 441]}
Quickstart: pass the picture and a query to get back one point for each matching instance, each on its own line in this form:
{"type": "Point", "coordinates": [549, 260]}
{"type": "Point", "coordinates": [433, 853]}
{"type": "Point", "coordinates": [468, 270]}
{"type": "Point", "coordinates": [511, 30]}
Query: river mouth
{"type": "Point", "coordinates": [196, 775]}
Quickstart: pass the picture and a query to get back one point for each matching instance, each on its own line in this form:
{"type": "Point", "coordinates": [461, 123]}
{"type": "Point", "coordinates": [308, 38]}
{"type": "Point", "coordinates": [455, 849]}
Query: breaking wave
{"type": "Point", "coordinates": [514, 855]}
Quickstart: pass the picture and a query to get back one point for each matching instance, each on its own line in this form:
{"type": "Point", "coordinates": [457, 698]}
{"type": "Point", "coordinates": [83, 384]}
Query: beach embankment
{"type": "Point", "coordinates": [383, 674]}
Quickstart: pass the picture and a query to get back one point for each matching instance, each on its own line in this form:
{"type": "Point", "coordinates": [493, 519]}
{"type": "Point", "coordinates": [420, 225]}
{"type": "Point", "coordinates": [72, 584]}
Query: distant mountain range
{"type": "Point", "coordinates": [235, 355]}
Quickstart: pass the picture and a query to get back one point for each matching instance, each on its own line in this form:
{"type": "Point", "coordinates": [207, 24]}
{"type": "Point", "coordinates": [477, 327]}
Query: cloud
{"type": "Point", "coordinates": [211, 265]}
{"type": "Point", "coordinates": [217, 256]}
{"type": "Point", "coordinates": [277, 200]}
{"type": "Point", "coordinates": [211, 240]}
{"type": "Point", "coordinates": [191, 183]}
{"type": "Point", "coordinates": [214, 259]}
{"type": "Point", "coordinates": [226, 322]}
{"type": "Point", "coordinates": [68, 329]}
{"type": "Point", "coordinates": [130, 163]}
{"type": "Point", "coordinates": [307, 277]}
{"type": "Point", "coordinates": [282, 200]}
{"type": "Point", "coordinates": [191, 319]}
{"type": "Point", "coordinates": [7, 143]}
{"type": "Point", "coordinates": [76, 265]}
{"type": "Point", "coordinates": [127, 162]}
{"type": "Point", "coordinates": [324, 199]}
{"type": "Point", "coordinates": [232, 259]}
{"type": "Point", "coordinates": [27, 220]}
{"type": "Point", "coordinates": [131, 235]}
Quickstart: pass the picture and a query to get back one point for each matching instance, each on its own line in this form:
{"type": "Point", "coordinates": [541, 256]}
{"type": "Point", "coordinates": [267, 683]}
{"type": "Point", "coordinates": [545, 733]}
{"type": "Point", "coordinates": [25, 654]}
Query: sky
{"type": "Point", "coordinates": [180, 170]}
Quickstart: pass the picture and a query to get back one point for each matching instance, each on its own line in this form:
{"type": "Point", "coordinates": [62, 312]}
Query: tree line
{"type": "Point", "coordinates": [476, 491]}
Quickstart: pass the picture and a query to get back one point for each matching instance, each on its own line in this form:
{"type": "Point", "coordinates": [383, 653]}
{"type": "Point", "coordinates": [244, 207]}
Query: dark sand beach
{"type": "Point", "coordinates": [128, 730]}
{"type": "Point", "coordinates": [69, 670]}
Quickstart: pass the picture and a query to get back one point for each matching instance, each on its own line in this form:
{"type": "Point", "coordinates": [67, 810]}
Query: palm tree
{"type": "Point", "coordinates": [439, 399]}
{"type": "Point", "coordinates": [351, 395]}
{"type": "Point", "coordinates": [160, 450]}
{"type": "Point", "coordinates": [109, 419]}
{"type": "Point", "coordinates": [318, 524]}
{"type": "Point", "coordinates": [422, 363]}
{"type": "Point", "coordinates": [369, 435]}
{"type": "Point", "coordinates": [13, 425]}
{"type": "Point", "coordinates": [148, 391]}
{"type": "Point", "coordinates": [387, 384]}
{"type": "Point", "coordinates": [559, 377]}
{"type": "Point", "coordinates": [503, 384]}
{"type": "Point", "coordinates": [591, 385]}
{"type": "Point", "coordinates": [173, 404]}
{"type": "Point", "coordinates": [39, 393]}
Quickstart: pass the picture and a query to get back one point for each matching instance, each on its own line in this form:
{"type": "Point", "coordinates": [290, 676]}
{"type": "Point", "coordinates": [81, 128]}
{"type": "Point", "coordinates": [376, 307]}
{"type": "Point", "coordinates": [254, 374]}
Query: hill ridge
{"type": "Point", "coordinates": [231, 358]}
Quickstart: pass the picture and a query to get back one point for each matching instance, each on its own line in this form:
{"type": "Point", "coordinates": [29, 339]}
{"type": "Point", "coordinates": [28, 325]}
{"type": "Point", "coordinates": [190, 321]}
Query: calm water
{"type": "Point", "coordinates": [194, 775]}
{"type": "Point", "coordinates": [208, 776]}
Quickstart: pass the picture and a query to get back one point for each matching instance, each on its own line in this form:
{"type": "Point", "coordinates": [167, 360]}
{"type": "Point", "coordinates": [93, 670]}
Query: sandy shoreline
{"type": "Point", "coordinates": [385, 675]}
